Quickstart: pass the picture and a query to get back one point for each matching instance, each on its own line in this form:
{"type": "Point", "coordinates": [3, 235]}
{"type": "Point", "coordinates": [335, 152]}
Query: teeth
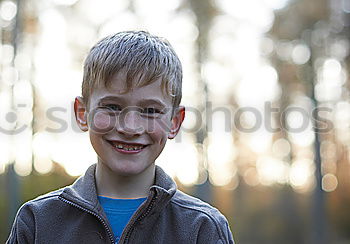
{"type": "Point", "coordinates": [128, 148]}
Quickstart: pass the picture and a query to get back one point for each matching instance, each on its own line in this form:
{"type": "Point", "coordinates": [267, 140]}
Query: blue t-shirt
{"type": "Point", "coordinates": [119, 212]}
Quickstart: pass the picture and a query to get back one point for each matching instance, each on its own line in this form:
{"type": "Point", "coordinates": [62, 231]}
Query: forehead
{"type": "Point", "coordinates": [137, 90]}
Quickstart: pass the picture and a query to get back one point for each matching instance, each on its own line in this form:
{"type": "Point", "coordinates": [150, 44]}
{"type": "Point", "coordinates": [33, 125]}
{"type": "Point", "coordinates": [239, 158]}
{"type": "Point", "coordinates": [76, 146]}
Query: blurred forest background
{"type": "Point", "coordinates": [266, 83]}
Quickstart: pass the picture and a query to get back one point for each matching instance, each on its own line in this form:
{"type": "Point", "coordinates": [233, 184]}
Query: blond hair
{"type": "Point", "coordinates": [143, 57]}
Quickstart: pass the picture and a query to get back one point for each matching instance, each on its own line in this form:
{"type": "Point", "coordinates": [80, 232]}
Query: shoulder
{"type": "Point", "coordinates": [23, 227]}
{"type": "Point", "coordinates": [43, 199]}
{"type": "Point", "coordinates": [209, 217]}
{"type": "Point", "coordinates": [48, 196]}
{"type": "Point", "coordinates": [39, 205]}
{"type": "Point", "coordinates": [196, 206]}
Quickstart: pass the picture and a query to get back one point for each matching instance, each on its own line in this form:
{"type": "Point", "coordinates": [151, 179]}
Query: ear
{"type": "Point", "coordinates": [176, 121]}
{"type": "Point", "coordinates": [80, 113]}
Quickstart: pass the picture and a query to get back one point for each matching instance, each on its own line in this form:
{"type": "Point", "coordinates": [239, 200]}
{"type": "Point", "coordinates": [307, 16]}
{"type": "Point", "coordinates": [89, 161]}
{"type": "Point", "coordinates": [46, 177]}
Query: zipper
{"type": "Point", "coordinates": [110, 235]}
{"type": "Point", "coordinates": [150, 206]}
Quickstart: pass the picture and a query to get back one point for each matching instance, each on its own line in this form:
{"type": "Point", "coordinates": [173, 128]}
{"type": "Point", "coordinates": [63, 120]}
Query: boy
{"type": "Point", "coordinates": [130, 100]}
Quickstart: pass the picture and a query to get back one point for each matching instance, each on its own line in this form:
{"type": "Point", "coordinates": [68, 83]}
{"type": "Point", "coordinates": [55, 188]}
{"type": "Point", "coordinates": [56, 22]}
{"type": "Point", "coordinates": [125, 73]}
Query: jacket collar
{"type": "Point", "coordinates": [83, 190]}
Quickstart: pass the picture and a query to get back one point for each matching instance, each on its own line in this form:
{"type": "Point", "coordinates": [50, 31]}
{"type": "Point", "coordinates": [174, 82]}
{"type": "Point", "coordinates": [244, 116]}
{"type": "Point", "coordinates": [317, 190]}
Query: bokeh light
{"type": "Point", "coordinates": [329, 182]}
{"type": "Point", "coordinates": [8, 10]}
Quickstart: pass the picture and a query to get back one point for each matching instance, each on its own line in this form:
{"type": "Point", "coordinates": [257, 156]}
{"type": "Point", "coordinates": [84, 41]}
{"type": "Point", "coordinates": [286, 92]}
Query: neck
{"type": "Point", "coordinates": [110, 184]}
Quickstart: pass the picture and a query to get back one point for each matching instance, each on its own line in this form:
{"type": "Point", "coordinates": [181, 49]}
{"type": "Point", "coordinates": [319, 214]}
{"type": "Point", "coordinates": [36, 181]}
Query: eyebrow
{"type": "Point", "coordinates": [141, 102]}
{"type": "Point", "coordinates": [152, 101]}
{"type": "Point", "coordinates": [110, 98]}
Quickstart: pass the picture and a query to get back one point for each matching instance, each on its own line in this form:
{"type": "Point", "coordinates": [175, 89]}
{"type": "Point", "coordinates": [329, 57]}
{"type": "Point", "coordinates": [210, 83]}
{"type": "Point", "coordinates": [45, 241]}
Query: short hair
{"type": "Point", "coordinates": [143, 57]}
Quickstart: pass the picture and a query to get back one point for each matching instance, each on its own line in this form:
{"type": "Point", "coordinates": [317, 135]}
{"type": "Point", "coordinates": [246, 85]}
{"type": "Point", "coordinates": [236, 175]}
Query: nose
{"type": "Point", "coordinates": [130, 124]}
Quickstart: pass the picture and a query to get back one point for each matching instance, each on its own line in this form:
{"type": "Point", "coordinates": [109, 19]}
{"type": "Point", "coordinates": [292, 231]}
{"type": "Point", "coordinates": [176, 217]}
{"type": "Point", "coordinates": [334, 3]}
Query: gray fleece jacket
{"type": "Point", "coordinates": [73, 215]}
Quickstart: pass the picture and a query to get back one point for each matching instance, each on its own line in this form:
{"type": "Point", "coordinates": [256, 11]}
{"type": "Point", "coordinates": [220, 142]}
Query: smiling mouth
{"type": "Point", "coordinates": [126, 147]}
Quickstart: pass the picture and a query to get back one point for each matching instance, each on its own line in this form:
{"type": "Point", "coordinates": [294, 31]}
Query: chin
{"type": "Point", "coordinates": [128, 168]}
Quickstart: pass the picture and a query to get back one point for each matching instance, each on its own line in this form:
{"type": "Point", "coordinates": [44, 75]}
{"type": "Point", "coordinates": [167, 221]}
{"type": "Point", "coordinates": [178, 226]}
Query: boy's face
{"type": "Point", "coordinates": [128, 130]}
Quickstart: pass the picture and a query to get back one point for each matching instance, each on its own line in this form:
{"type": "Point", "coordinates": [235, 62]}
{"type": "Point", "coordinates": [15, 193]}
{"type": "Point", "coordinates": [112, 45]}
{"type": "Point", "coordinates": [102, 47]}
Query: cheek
{"type": "Point", "coordinates": [158, 130]}
{"type": "Point", "coordinates": [101, 122]}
